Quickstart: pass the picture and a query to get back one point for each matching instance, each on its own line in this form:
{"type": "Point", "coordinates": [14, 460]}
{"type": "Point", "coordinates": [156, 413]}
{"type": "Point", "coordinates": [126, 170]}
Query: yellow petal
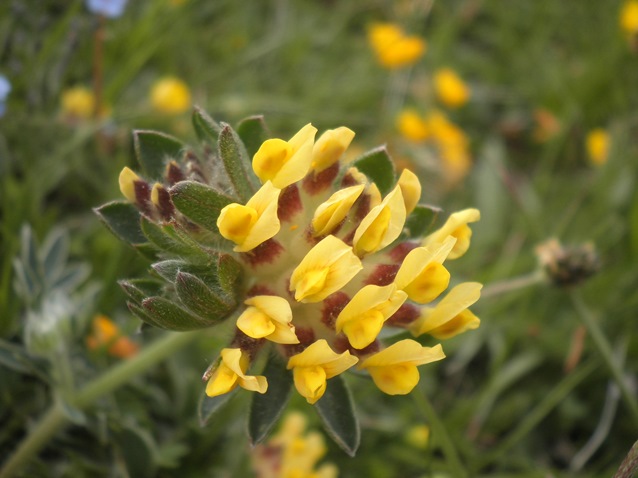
{"type": "Point", "coordinates": [364, 330]}
{"type": "Point", "coordinates": [410, 189]}
{"type": "Point", "coordinates": [404, 351]}
{"type": "Point", "coordinates": [463, 322]}
{"type": "Point", "coordinates": [395, 379]}
{"type": "Point", "coordinates": [254, 323]}
{"type": "Point", "coordinates": [275, 307]}
{"type": "Point", "coordinates": [382, 225]}
{"type": "Point", "coordinates": [412, 126]}
{"type": "Point", "coordinates": [283, 334]}
{"type": "Point", "coordinates": [235, 222]}
{"type": "Point", "coordinates": [231, 372]}
{"type": "Point", "coordinates": [330, 147]}
{"type": "Point", "coordinates": [310, 382]}
{"type": "Point", "coordinates": [127, 183]}
{"type": "Point", "coordinates": [254, 383]}
{"type": "Point", "coordinates": [450, 88]}
{"type": "Point", "coordinates": [429, 284]}
{"type": "Point", "coordinates": [320, 353]}
{"type": "Point", "coordinates": [222, 381]}
{"type": "Point", "coordinates": [285, 162]}
{"type": "Point", "coordinates": [456, 301]}
{"type": "Point", "coordinates": [597, 143]}
{"type": "Point", "coordinates": [330, 213]}
{"type": "Point", "coordinates": [327, 267]}
{"type": "Point", "coordinates": [456, 226]}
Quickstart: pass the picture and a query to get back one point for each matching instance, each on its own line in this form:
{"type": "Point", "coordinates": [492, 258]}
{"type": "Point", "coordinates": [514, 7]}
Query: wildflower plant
{"type": "Point", "coordinates": [320, 265]}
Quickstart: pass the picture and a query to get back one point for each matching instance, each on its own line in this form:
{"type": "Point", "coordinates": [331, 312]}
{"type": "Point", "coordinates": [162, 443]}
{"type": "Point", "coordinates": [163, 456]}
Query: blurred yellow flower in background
{"type": "Point", "coordinates": [412, 126]}
{"type": "Point", "coordinates": [629, 17]}
{"type": "Point", "coordinates": [78, 104]}
{"type": "Point", "coordinates": [393, 48]}
{"type": "Point", "coordinates": [105, 333]}
{"type": "Point", "coordinates": [171, 96]}
{"type": "Point", "coordinates": [597, 144]}
{"type": "Point", "coordinates": [450, 89]}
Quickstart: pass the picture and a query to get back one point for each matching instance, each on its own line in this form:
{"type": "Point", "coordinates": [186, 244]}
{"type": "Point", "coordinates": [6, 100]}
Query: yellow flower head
{"type": "Point", "coordinates": [629, 17]}
{"type": "Point", "coordinates": [330, 147]}
{"type": "Point", "coordinates": [250, 225]}
{"type": "Point", "coordinates": [231, 372]}
{"type": "Point", "coordinates": [394, 370]}
{"type": "Point", "coordinates": [450, 88]}
{"type": "Point", "coordinates": [597, 143]}
{"type": "Point", "coordinates": [412, 126]}
{"type": "Point", "coordinates": [170, 96]}
{"type": "Point", "coordinates": [393, 48]}
{"type": "Point", "coordinates": [456, 226]}
{"type": "Point", "coordinates": [450, 316]}
{"type": "Point", "coordinates": [312, 367]}
{"type": "Point", "coordinates": [382, 225]}
{"type": "Point", "coordinates": [362, 319]}
{"type": "Point", "coordinates": [422, 274]}
{"type": "Point", "coordinates": [268, 317]}
{"type": "Point", "coordinates": [285, 162]}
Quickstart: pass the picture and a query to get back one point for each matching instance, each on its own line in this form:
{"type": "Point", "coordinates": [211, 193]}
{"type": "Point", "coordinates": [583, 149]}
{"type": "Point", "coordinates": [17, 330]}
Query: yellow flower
{"type": "Point", "coordinates": [450, 88]}
{"type": "Point", "coordinates": [412, 126]}
{"type": "Point", "coordinates": [382, 225]}
{"type": "Point", "coordinates": [105, 333]}
{"type": "Point", "coordinates": [127, 183]}
{"type": "Point", "coordinates": [410, 189]}
{"type": "Point", "coordinates": [456, 226]}
{"type": "Point", "coordinates": [629, 17]}
{"type": "Point", "coordinates": [285, 162]}
{"type": "Point", "coordinates": [362, 318]}
{"type": "Point", "coordinates": [393, 48]}
{"type": "Point", "coordinates": [422, 274]}
{"type": "Point", "coordinates": [597, 143]}
{"type": "Point", "coordinates": [330, 147]}
{"type": "Point", "coordinates": [231, 372]}
{"type": "Point", "coordinates": [450, 316]}
{"type": "Point", "coordinates": [268, 317]}
{"type": "Point", "coordinates": [394, 370]}
{"type": "Point", "coordinates": [330, 213]}
{"type": "Point", "coordinates": [326, 268]}
{"type": "Point", "coordinates": [170, 96]}
{"type": "Point", "coordinates": [252, 224]}
{"type": "Point", "coordinates": [78, 103]}
{"type": "Point", "coordinates": [317, 363]}
{"type": "Point", "coordinates": [418, 436]}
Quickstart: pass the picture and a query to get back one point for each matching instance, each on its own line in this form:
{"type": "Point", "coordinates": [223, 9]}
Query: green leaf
{"type": "Point", "coordinates": [208, 406]}
{"type": "Point", "coordinates": [237, 163]}
{"type": "Point", "coordinates": [208, 303]}
{"type": "Point", "coordinates": [206, 128]}
{"type": "Point", "coordinates": [166, 314]}
{"type": "Point", "coordinates": [138, 450]}
{"type": "Point", "coordinates": [207, 271]}
{"type": "Point", "coordinates": [199, 203]}
{"type": "Point", "coordinates": [123, 220]}
{"type": "Point", "coordinates": [167, 238]}
{"type": "Point", "coordinates": [253, 132]}
{"type": "Point", "coordinates": [154, 150]}
{"type": "Point", "coordinates": [16, 358]}
{"type": "Point", "coordinates": [229, 273]}
{"type": "Point", "coordinates": [141, 314]}
{"type": "Point", "coordinates": [139, 289]}
{"type": "Point", "coordinates": [54, 254]}
{"type": "Point", "coordinates": [266, 408]}
{"type": "Point", "coordinates": [336, 410]}
{"type": "Point", "coordinates": [377, 165]}
{"type": "Point", "coordinates": [421, 220]}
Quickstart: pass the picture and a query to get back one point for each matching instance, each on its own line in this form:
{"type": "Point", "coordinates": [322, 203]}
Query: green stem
{"type": "Point", "coordinates": [117, 376]}
{"type": "Point", "coordinates": [604, 349]}
{"type": "Point", "coordinates": [536, 415]}
{"type": "Point", "coordinates": [516, 283]}
{"type": "Point", "coordinates": [441, 434]}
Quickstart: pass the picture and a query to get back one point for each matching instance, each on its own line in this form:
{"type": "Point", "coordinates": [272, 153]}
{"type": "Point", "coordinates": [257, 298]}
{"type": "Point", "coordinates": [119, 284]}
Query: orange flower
{"type": "Point", "coordinates": [106, 334]}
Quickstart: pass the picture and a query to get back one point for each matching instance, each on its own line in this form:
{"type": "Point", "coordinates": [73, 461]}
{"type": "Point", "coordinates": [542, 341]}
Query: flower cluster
{"type": "Point", "coordinates": [393, 48]}
{"type": "Point", "coordinates": [321, 260]}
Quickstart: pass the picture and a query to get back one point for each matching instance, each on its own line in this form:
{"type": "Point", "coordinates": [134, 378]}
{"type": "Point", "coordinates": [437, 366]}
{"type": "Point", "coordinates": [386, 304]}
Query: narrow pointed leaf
{"type": "Point", "coordinates": [208, 406]}
{"type": "Point", "coordinates": [421, 220]}
{"type": "Point", "coordinates": [139, 289]}
{"type": "Point", "coordinates": [336, 410]}
{"type": "Point", "coordinates": [168, 315]}
{"type": "Point", "coordinates": [54, 254]}
{"type": "Point", "coordinates": [123, 220]}
{"type": "Point", "coordinates": [166, 239]}
{"type": "Point", "coordinates": [266, 408]}
{"type": "Point", "coordinates": [237, 163]}
{"type": "Point", "coordinates": [16, 358]}
{"type": "Point", "coordinates": [154, 150]}
{"type": "Point", "coordinates": [143, 315]}
{"type": "Point", "coordinates": [253, 133]}
{"type": "Point", "coordinates": [378, 167]}
{"type": "Point", "coordinates": [199, 203]}
{"type": "Point", "coordinates": [206, 128]}
{"type": "Point", "coordinates": [205, 271]}
{"type": "Point", "coordinates": [210, 304]}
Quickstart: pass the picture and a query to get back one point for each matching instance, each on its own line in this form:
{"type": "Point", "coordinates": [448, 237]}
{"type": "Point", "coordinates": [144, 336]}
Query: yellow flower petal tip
{"type": "Point", "coordinates": [316, 364]}
{"type": "Point", "coordinates": [231, 372]}
{"type": "Point", "coordinates": [285, 162]}
{"type": "Point", "coordinates": [250, 225]}
{"type": "Point", "coordinates": [332, 212]}
{"type": "Point", "coordinates": [330, 147]}
{"type": "Point", "coordinates": [268, 317]}
{"type": "Point", "coordinates": [170, 96]}
{"type": "Point", "coordinates": [394, 369]}
{"type": "Point", "coordinates": [127, 181]}
{"type": "Point", "coordinates": [457, 227]}
{"type": "Point", "coordinates": [328, 266]}
{"type": "Point", "coordinates": [410, 189]}
{"type": "Point", "coordinates": [382, 225]}
{"type": "Point", "coordinates": [450, 317]}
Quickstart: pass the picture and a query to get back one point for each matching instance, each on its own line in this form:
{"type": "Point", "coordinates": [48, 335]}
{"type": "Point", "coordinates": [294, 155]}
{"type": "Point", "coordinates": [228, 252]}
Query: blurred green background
{"type": "Point", "coordinates": [515, 396]}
